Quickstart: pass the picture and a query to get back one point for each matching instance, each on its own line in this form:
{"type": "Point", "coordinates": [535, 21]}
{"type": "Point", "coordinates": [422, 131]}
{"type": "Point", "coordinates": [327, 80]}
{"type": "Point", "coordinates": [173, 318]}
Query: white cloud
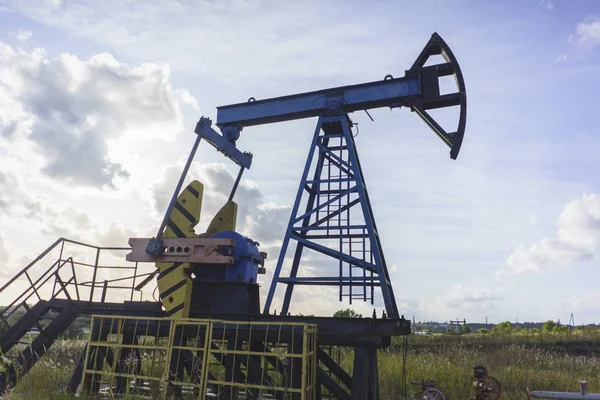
{"type": "Point", "coordinates": [561, 59]}
{"type": "Point", "coordinates": [116, 235]}
{"type": "Point", "coordinates": [273, 50]}
{"type": "Point", "coordinates": [577, 239]}
{"type": "Point", "coordinates": [324, 301]}
{"type": "Point", "coordinates": [465, 293]}
{"type": "Point", "coordinates": [72, 108]}
{"type": "Point", "coordinates": [21, 35]}
{"type": "Point", "coordinates": [532, 220]}
{"type": "Point", "coordinates": [284, 28]}
{"type": "Point", "coordinates": [9, 186]}
{"type": "Point", "coordinates": [547, 4]}
{"type": "Point", "coordinates": [4, 259]}
{"type": "Point", "coordinates": [587, 33]}
{"type": "Point", "coordinates": [408, 307]}
{"type": "Point", "coordinates": [161, 192]}
{"type": "Point", "coordinates": [260, 220]}
{"type": "Point", "coordinates": [474, 300]}
{"type": "Point", "coordinates": [587, 304]}
{"type": "Point", "coordinates": [67, 222]}
{"type": "Point", "coordinates": [268, 223]}
{"type": "Point", "coordinates": [19, 206]}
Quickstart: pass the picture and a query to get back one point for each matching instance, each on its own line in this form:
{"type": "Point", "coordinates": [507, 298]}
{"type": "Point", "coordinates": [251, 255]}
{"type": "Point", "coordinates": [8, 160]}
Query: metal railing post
{"type": "Point", "coordinates": [104, 289]}
{"type": "Point", "coordinates": [95, 274]}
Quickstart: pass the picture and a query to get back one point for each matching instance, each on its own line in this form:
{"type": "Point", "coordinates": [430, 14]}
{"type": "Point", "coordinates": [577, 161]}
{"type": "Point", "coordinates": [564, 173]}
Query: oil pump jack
{"type": "Point", "coordinates": [212, 277]}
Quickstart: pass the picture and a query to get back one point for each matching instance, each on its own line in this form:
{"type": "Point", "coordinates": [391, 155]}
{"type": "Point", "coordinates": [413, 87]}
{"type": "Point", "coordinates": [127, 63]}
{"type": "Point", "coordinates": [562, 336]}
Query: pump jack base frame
{"type": "Point", "coordinates": [365, 335]}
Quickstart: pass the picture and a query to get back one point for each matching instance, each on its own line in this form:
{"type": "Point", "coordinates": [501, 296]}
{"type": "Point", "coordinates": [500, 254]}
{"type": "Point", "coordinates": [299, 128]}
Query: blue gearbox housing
{"type": "Point", "coordinates": [228, 288]}
{"type": "Point", "coordinates": [247, 258]}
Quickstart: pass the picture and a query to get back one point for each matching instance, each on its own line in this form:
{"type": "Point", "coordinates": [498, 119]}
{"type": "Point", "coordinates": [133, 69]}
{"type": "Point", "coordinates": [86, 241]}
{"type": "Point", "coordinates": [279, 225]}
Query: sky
{"type": "Point", "coordinates": [99, 100]}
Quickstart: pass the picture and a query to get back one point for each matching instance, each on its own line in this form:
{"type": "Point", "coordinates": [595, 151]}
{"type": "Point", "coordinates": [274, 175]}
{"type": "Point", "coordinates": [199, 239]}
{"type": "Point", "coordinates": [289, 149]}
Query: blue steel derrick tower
{"type": "Point", "coordinates": [337, 221]}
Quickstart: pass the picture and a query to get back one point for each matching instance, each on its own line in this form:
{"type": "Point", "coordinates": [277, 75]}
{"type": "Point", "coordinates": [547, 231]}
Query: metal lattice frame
{"type": "Point", "coordinates": [199, 358]}
{"type": "Point", "coordinates": [338, 210]}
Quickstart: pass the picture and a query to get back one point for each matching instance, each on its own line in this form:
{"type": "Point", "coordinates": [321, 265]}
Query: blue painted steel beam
{"type": "Point", "coordinates": [222, 144]}
{"type": "Point", "coordinates": [386, 93]}
{"type": "Point", "coordinates": [335, 254]}
{"type": "Point", "coordinates": [323, 205]}
{"type": "Point", "coordinates": [330, 279]}
{"type": "Point", "coordinates": [329, 228]}
{"type": "Point", "coordinates": [418, 89]}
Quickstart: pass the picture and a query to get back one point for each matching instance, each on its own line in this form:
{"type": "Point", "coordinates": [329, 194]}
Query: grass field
{"type": "Point", "coordinates": [553, 361]}
{"type": "Point", "coordinates": [519, 361]}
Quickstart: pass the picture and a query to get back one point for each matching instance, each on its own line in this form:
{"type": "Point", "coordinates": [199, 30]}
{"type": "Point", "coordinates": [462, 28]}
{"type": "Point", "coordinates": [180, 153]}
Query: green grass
{"type": "Point", "coordinates": [542, 362]}
{"type": "Point", "coordinates": [50, 375]}
{"type": "Point", "coordinates": [519, 361]}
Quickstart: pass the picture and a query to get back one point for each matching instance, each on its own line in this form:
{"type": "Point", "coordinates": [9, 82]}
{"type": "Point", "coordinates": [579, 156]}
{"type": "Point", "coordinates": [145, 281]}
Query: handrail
{"type": "Point", "coordinates": [38, 258]}
{"type": "Point", "coordinates": [20, 298]}
{"type": "Point", "coordinates": [49, 249]}
{"type": "Point", "coordinates": [89, 283]}
{"type": "Point", "coordinates": [37, 279]}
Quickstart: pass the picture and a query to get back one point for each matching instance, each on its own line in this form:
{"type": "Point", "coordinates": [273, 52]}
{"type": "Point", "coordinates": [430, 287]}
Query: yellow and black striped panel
{"type": "Point", "coordinates": [225, 219]}
{"type": "Point", "coordinates": [174, 283]}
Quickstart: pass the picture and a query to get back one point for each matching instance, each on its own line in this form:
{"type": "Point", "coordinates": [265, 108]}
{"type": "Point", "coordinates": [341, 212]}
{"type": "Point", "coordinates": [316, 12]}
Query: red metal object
{"type": "Point", "coordinates": [488, 388]}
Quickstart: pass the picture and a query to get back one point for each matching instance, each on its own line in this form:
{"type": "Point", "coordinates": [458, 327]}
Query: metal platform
{"type": "Point", "coordinates": [71, 279]}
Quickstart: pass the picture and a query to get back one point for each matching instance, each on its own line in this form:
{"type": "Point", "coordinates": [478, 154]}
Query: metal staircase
{"type": "Point", "coordinates": [34, 350]}
{"type": "Point", "coordinates": [43, 301]}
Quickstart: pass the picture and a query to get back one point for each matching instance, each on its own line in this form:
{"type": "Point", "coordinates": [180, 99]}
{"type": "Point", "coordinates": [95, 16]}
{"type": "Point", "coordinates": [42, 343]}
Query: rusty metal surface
{"type": "Point", "coordinates": [188, 250]}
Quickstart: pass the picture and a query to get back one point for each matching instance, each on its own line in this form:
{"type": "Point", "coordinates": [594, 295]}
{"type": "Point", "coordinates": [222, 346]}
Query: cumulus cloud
{"type": "Point", "coordinates": [577, 239]}
{"type": "Point", "coordinates": [323, 301]}
{"type": "Point", "coordinates": [67, 222]}
{"type": "Point", "coordinates": [116, 235]}
{"type": "Point", "coordinates": [280, 25]}
{"type": "Point", "coordinates": [408, 307]}
{"type": "Point", "coordinates": [70, 108]}
{"type": "Point", "coordinates": [19, 206]}
{"type": "Point", "coordinates": [467, 293]}
{"type": "Point", "coordinates": [8, 189]}
{"type": "Point", "coordinates": [547, 4]}
{"type": "Point", "coordinates": [3, 255]}
{"type": "Point", "coordinates": [7, 261]}
{"type": "Point", "coordinates": [587, 33]}
{"type": "Point", "coordinates": [561, 59]}
{"type": "Point", "coordinates": [474, 299]}
{"type": "Point", "coordinates": [586, 304]}
{"type": "Point", "coordinates": [268, 222]}
{"type": "Point", "coordinates": [262, 221]}
{"type": "Point", "coordinates": [161, 192]}
{"type": "Point", "coordinates": [21, 35]}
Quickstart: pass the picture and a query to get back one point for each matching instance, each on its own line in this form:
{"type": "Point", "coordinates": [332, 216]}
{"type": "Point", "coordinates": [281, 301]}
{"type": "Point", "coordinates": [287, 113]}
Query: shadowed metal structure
{"type": "Point", "coordinates": [337, 220]}
{"type": "Point", "coordinates": [207, 310]}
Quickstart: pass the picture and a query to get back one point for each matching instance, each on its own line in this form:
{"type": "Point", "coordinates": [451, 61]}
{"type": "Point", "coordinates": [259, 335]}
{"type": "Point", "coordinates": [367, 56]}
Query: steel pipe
{"type": "Point", "coordinates": [583, 394]}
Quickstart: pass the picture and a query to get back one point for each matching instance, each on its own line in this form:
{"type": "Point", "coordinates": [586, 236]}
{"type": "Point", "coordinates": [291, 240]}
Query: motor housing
{"type": "Point", "coordinates": [232, 288]}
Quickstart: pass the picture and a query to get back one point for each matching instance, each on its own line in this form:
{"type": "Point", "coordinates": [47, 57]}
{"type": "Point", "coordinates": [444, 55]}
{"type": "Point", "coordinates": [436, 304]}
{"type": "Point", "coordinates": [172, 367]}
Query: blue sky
{"type": "Point", "coordinates": [510, 230]}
